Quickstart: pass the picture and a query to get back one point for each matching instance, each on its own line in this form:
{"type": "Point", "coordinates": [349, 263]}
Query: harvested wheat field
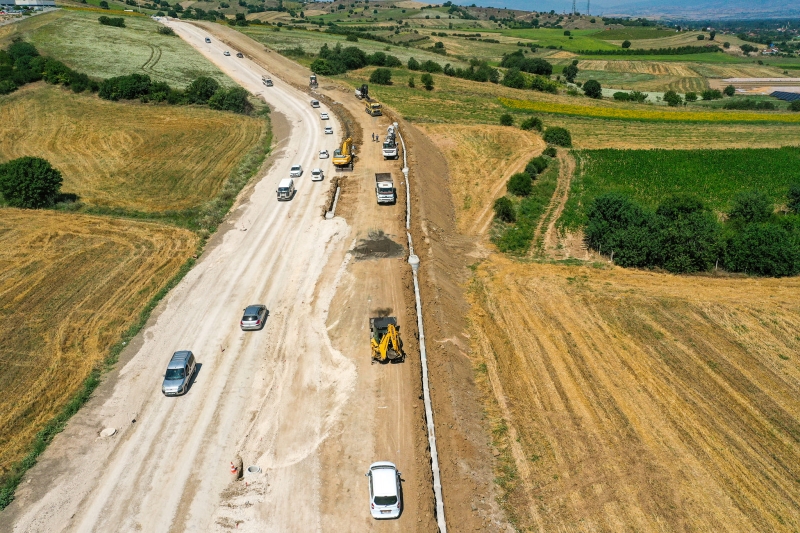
{"type": "Point", "coordinates": [129, 155]}
{"type": "Point", "coordinates": [637, 401]}
{"type": "Point", "coordinates": [480, 161]}
{"type": "Point", "coordinates": [70, 285]}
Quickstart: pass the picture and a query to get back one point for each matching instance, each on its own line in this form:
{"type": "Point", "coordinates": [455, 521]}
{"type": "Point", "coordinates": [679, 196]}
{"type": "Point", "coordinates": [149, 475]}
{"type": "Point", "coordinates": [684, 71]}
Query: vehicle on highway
{"type": "Point", "coordinates": [296, 171]}
{"type": "Point", "coordinates": [285, 189]}
{"type": "Point", "coordinates": [208, 40]}
{"type": "Point", "coordinates": [226, 53]}
{"type": "Point", "coordinates": [317, 175]}
{"type": "Point", "coordinates": [239, 54]}
{"type": "Point", "coordinates": [328, 130]}
{"type": "Point", "coordinates": [323, 154]}
{"type": "Point", "coordinates": [385, 500]}
{"type": "Point", "coordinates": [323, 116]}
{"type": "Point", "coordinates": [266, 81]}
{"type": "Point", "coordinates": [314, 103]}
{"type": "Point", "coordinates": [179, 373]}
{"type": "Point", "coordinates": [254, 317]}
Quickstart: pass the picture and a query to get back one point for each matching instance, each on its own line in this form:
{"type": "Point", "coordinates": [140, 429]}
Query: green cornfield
{"type": "Point", "coordinates": [649, 176]}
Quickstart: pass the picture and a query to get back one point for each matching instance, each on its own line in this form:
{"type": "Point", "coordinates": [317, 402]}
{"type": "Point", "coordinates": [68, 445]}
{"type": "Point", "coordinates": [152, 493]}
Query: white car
{"type": "Point", "coordinates": [226, 53]}
{"type": "Point", "coordinates": [323, 154]}
{"type": "Point", "coordinates": [385, 500]}
{"type": "Point", "coordinates": [328, 130]}
{"type": "Point", "coordinates": [323, 116]}
{"type": "Point", "coordinates": [317, 175]}
{"type": "Point", "coordinates": [296, 171]}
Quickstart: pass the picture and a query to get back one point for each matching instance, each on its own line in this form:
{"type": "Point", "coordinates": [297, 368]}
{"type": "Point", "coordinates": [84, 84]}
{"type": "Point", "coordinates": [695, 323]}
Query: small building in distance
{"type": "Point", "coordinates": [34, 4]}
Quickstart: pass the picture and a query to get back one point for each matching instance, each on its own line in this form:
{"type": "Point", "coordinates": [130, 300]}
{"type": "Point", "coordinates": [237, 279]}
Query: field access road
{"type": "Point", "coordinates": [299, 399]}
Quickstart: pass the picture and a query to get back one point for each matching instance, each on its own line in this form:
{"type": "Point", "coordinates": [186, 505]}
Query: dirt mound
{"type": "Point", "coordinates": [377, 245]}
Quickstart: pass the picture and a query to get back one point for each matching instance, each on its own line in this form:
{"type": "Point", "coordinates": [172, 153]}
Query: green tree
{"type": "Point", "coordinates": [30, 182]}
{"type": "Point", "coordinates": [504, 209]}
{"type": "Point", "coordinates": [411, 83]}
{"type": "Point", "coordinates": [104, 4]}
{"type": "Point", "coordinates": [234, 99]}
{"type": "Point", "coordinates": [536, 166]}
{"type": "Point", "coordinates": [793, 198]}
{"type": "Point", "coordinates": [730, 90]}
{"type": "Point", "coordinates": [726, 45]}
{"type": "Point", "coordinates": [413, 64]}
{"type": "Point", "coordinates": [558, 136]}
{"type": "Point", "coordinates": [626, 44]}
{"type": "Point", "coordinates": [531, 123]}
{"type": "Point", "coordinates": [201, 90]}
{"type": "Point", "coordinates": [569, 72]}
{"type": "Point", "coordinates": [672, 98]}
{"type": "Point", "coordinates": [427, 81]}
{"type": "Point", "coordinates": [691, 97]}
{"type": "Point", "coordinates": [506, 120]}
{"type": "Point", "coordinates": [592, 89]}
{"type": "Point", "coordinates": [794, 106]}
{"type": "Point", "coordinates": [701, 37]}
{"type": "Point", "coordinates": [764, 249]}
{"type": "Point", "coordinates": [514, 78]}
{"type": "Point", "coordinates": [688, 235]}
{"type": "Point", "coordinates": [616, 224]}
{"type": "Point", "coordinates": [381, 76]}
{"type": "Point", "coordinates": [520, 184]}
{"type": "Point", "coordinates": [712, 35]}
{"type": "Point", "coordinates": [749, 207]}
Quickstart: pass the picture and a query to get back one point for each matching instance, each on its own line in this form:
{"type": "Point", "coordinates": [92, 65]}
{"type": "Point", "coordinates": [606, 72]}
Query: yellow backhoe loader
{"type": "Point", "coordinates": [343, 156]}
{"type": "Point", "coordinates": [385, 340]}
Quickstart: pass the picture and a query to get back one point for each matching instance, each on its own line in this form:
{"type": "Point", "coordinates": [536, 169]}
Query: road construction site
{"type": "Point", "coordinates": [299, 401]}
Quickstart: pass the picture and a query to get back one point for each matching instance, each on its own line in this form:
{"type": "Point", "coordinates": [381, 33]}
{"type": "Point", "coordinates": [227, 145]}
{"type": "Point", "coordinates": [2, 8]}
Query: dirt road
{"type": "Point", "coordinates": [299, 399]}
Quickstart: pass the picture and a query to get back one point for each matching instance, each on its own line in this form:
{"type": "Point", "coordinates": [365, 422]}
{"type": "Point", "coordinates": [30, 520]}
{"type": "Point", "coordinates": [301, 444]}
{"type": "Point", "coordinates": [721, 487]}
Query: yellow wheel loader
{"type": "Point", "coordinates": [385, 340]}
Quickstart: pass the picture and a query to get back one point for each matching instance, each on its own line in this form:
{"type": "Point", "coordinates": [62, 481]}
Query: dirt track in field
{"type": "Point", "coordinates": [70, 285]}
{"type": "Point", "coordinates": [141, 157]}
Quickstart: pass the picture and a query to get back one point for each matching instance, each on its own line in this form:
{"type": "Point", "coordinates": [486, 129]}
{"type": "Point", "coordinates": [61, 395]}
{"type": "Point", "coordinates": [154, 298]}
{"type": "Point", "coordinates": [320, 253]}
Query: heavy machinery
{"type": "Point", "coordinates": [385, 340]}
{"type": "Point", "coordinates": [390, 145]}
{"type": "Point", "coordinates": [374, 109]}
{"type": "Point", "coordinates": [312, 81]}
{"type": "Point", "coordinates": [363, 92]}
{"type": "Point", "coordinates": [343, 156]}
{"type": "Point", "coordinates": [384, 188]}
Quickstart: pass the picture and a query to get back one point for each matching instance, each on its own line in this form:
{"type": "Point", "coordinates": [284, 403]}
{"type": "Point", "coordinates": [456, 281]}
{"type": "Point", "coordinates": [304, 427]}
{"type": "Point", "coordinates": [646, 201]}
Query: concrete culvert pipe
{"type": "Point", "coordinates": [251, 470]}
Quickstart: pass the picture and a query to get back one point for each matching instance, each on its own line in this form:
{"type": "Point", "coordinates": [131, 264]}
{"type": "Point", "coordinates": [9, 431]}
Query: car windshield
{"type": "Point", "coordinates": [295, 168]}
{"type": "Point", "coordinates": [385, 500]}
{"type": "Point", "coordinates": [174, 373]}
{"type": "Point", "coordinates": [384, 190]}
{"type": "Point", "coordinates": [250, 318]}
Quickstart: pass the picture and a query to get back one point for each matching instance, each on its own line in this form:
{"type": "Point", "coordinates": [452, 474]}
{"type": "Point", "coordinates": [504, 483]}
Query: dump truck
{"type": "Point", "coordinates": [312, 81]}
{"type": "Point", "coordinates": [385, 340]}
{"type": "Point", "coordinates": [384, 188]}
{"type": "Point", "coordinates": [390, 145]}
{"type": "Point", "coordinates": [343, 156]}
{"type": "Point", "coordinates": [363, 92]}
{"type": "Point", "coordinates": [374, 109]}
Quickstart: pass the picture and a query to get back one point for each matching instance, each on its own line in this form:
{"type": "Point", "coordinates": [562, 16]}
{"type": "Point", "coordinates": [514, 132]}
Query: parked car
{"type": "Point", "coordinates": [226, 53]}
{"type": "Point", "coordinates": [317, 175]}
{"type": "Point", "coordinates": [328, 130]}
{"type": "Point", "coordinates": [323, 154]}
{"type": "Point", "coordinates": [385, 500]}
{"type": "Point", "coordinates": [208, 40]}
{"type": "Point", "coordinates": [286, 189]}
{"type": "Point", "coordinates": [239, 54]}
{"type": "Point", "coordinates": [179, 373]}
{"type": "Point", "coordinates": [296, 171]}
{"type": "Point", "coordinates": [254, 317]}
{"type": "Point", "coordinates": [323, 116]}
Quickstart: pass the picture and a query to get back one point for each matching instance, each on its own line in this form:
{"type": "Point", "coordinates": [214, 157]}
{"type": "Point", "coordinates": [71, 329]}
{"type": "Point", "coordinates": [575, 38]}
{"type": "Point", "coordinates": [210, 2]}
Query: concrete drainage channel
{"type": "Point", "coordinates": [413, 260]}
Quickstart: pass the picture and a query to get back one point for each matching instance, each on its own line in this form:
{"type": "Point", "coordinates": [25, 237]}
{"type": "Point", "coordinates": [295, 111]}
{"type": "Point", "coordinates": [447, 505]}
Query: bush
{"type": "Point", "coordinates": [726, 45]}
{"type": "Point", "coordinates": [520, 184]}
{"type": "Point", "coordinates": [592, 89]}
{"type": "Point", "coordinates": [381, 76]}
{"type": "Point", "coordinates": [531, 123]}
{"type": "Point", "coordinates": [701, 37]}
{"type": "Point", "coordinates": [514, 78]}
{"type": "Point", "coordinates": [393, 62]}
{"type": "Point", "coordinates": [431, 66]}
{"type": "Point", "coordinates": [626, 44]}
{"type": "Point", "coordinates": [711, 94]}
{"type": "Point", "coordinates": [234, 99]}
{"type": "Point", "coordinates": [427, 81]}
{"type": "Point", "coordinates": [536, 166]}
{"type": "Point", "coordinates": [108, 21]}
{"type": "Point", "coordinates": [413, 64]}
{"type": "Point", "coordinates": [352, 38]}
{"type": "Point", "coordinates": [637, 96]}
{"type": "Point", "coordinates": [672, 98]}
{"type": "Point", "coordinates": [618, 225]}
{"type": "Point", "coordinates": [794, 106]}
{"type": "Point", "coordinates": [504, 209]}
{"type": "Point", "coordinates": [104, 4]}
{"type": "Point", "coordinates": [558, 136]}
{"type": "Point", "coordinates": [165, 30]}
{"type": "Point", "coordinates": [730, 90]}
{"type": "Point", "coordinates": [128, 87]}
{"type": "Point", "coordinates": [622, 96]}
{"type": "Point", "coordinates": [688, 235]}
{"type": "Point", "coordinates": [569, 72]}
{"type": "Point", "coordinates": [691, 97]}
{"type": "Point", "coordinates": [793, 198]}
{"type": "Point", "coordinates": [750, 207]}
{"type": "Point", "coordinates": [7, 86]}
{"type": "Point", "coordinates": [30, 182]}
{"type": "Point", "coordinates": [506, 120]}
{"type": "Point", "coordinates": [747, 103]}
{"type": "Point", "coordinates": [199, 91]}
{"type": "Point", "coordinates": [411, 83]}
{"type": "Point", "coordinates": [764, 249]}
{"type": "Point", "coordinates": [550, 151]}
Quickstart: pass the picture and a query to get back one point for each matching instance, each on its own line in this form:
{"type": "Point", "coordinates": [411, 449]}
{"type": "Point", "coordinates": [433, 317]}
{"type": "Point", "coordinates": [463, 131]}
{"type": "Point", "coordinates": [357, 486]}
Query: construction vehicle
{"type": "Point", "coordinates": [390, 145]}
{"type": "Point", "coordinates": [363, 92]}
{"type": "Point", "coordinates": [384, 188]}
{"type": "Point", "coordinates": [373, 109]}
{"type": "Point", "coordinates": [385, 340]}
{"type": "Point", "coordinates": [343, 156]}
{"type": "Point", "coordinates": [312, 81]}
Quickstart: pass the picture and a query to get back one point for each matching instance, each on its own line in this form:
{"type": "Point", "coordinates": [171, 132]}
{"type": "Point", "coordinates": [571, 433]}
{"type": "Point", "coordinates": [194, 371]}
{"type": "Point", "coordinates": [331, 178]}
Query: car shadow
{"type": "Point", "coordinates": [197, 368]}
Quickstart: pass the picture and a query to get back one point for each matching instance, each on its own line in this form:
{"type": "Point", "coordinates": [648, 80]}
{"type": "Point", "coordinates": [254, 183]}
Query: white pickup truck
{"type": "Point", "coordinates": [384, 188]}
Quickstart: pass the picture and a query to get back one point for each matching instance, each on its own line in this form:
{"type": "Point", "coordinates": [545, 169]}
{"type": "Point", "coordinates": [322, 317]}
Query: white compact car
{"type": "Point", "coordinates": [317, 175]}
{"type": "Point", "coordinates": [328, 130]}
{"type": "Point", "coordinates": [323, 116]}
{"type": "Point", "coordinates": [385, 500]}
{"type": "Point", "coordinates": [323, 154]}
{"type": "Point", "coordinates": [226, 53]}
{"type": "Point", "coordinates": [296, 171]}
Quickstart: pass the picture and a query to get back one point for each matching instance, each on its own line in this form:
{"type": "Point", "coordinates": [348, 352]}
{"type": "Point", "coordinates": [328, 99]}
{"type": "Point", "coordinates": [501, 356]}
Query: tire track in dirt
{"type": "Point", "coordinates": [545, 238]}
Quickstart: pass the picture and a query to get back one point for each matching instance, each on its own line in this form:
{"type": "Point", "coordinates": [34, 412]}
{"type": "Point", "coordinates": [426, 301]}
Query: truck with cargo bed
{"type": "Point", "coordinates": [384, 188]}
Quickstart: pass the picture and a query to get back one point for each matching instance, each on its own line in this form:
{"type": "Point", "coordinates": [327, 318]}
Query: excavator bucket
{"type": "Point", "coordinates": [385, 340]}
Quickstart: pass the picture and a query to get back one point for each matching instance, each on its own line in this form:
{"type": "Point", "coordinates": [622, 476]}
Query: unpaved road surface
{"type": "Point", "coordinates": [299, 399]}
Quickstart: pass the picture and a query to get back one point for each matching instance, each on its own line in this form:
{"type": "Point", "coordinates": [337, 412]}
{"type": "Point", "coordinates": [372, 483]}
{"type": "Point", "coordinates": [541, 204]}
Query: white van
{"type": "Point", "coordinates": [286, 189]}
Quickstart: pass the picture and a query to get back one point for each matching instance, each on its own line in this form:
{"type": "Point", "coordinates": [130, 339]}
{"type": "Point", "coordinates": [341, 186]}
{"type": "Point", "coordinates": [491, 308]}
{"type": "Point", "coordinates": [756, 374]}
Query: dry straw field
{"type": "Point", "coordinates": [70, 285]}
{"type": "Point", "coordinates": [142, 157]}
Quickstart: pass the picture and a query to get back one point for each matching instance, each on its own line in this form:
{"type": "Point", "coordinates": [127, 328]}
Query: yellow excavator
{"type": "Point", "coordinates": [385, 340]}
{"type": "Point", "coordinates": [343, 157]}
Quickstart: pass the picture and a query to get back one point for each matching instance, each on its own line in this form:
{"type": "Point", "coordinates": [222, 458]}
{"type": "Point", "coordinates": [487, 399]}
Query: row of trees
{"type": "Point", "coordinates": [521, 185]}
{"type": "Point", "coordinates": [338, 60]}
{"type": "Point", "coordinates": [682, 235]}
{"type": "Point", "coordinates": [21, 64]}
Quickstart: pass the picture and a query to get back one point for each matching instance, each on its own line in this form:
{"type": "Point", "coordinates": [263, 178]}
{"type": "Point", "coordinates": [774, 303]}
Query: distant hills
{"type": "Point", "coordinates": [662, 9]}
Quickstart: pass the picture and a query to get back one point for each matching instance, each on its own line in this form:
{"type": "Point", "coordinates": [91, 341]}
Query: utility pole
{"type": "Point", "coordinates": [573, 8]}
{"type": "Point", "coordinates": [588, 3]}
